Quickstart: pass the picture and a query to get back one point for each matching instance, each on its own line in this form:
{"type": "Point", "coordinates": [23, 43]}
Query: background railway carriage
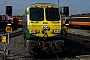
{"type": "Point", "coordinates": [78, 21]}
{"type": "Point", "coordinates": [14, 22]}
{"type": "Point", "coordinates": [0, 19]}
{"type": "Point", "coordinates": [20, 19]}
{"type": "Point", "coordinates": [82, 21]}
{"type": "Point", "coordinates": [3, 21]}
{"type": "Point", "coordinates": [42, 27]}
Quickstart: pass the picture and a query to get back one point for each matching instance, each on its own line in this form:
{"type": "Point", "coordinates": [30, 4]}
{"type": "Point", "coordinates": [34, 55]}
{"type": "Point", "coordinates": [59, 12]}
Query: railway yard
{"type": "Point", "coordinates": [44, 31]}
{"type": "Point", "coordinates": [77, 47]}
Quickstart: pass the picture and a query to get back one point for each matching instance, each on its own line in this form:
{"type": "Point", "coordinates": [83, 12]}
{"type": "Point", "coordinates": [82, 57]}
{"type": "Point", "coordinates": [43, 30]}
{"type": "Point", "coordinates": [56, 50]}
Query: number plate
{"type": "Point", "coordinates": [45, 27]}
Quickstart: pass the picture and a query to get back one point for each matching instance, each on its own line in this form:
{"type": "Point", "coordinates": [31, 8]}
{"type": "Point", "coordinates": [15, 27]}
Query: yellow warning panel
{"type": "Point", "coordinates": [3, 39]}
{"type": "Point", "coordinates": [8, 29]}
{"type": "Point", "coordinates": [66, 28]}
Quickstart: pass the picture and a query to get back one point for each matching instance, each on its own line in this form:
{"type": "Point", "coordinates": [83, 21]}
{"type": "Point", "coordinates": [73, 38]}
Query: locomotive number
{"type": "Point", "coordinates": [45, 27]}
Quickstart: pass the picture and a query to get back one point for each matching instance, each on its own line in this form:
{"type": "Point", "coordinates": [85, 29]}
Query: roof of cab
{"type": "Point", "coordinates": [43, 5]}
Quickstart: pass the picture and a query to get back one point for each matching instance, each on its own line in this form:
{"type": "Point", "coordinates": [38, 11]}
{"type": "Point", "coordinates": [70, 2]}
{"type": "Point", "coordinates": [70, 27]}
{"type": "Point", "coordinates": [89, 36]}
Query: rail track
{"type": "Point", "coordinates": [13, 33]}
{"type": "Point", "coordinates": [77, 35]}
{"type": "Point", "coordinates": [78, 39]}
{"type": "Point", "coordinates": [58, 58]}
{"type": "Point", "coordinates": [75, 42]}
{"type": "Point", "coordinates": [83, 40]}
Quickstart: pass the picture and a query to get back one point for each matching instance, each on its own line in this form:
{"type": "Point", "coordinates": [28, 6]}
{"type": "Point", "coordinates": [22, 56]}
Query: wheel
{"type": "Point", "coordinates": [53, 48]}
{"type": "Point", "coordinates": [29, 48]}
{"type": "Point", "coordinates": [59, 50]}
{"type": "Point", "coordinates": [25, 40]}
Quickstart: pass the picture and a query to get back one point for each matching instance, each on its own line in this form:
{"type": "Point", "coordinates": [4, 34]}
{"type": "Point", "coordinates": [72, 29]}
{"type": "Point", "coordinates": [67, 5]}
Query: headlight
{"type": "Point", "coordinates": [56, 31]}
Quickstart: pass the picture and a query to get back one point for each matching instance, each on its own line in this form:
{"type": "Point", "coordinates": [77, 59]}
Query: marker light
{"type": "Point", "coordinates": [34, 31]}
{"type": "Point", "coordinates": [66, 24]}
{"type": "Point", "coordinates": [8, 24]}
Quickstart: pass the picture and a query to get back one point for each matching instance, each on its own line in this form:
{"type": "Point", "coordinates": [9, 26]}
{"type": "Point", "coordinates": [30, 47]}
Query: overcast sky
{"type": "Point", "coordinates": [76, 6]}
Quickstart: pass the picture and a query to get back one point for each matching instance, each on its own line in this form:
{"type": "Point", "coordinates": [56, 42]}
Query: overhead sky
{"type": "Point", "coordinates": [75, 6]}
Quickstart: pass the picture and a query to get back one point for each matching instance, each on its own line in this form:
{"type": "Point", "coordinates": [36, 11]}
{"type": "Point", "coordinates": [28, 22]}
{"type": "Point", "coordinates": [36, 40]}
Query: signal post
{"type": "Point", "coordinates": [66, 13]}
{"type": "Point", "coordinates": [3, 38]}
{"type": "Point", "coordinates": [8, 30]}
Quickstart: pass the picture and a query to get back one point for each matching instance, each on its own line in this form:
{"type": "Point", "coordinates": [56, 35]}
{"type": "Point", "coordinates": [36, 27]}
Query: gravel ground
{"type": "Point", "coordinates": [18, 51]}
{"type": "Point", "coordinates": [16, 47]}
{"type": "Point", "coordinates": [80, 32]}
{"type": "Point", "coordinates": [4, 33]}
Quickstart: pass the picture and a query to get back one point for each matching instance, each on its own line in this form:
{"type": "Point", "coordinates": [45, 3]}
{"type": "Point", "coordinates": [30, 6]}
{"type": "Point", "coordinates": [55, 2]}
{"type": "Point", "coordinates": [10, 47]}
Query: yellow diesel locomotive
{"type": "Point", "coordinates": [42, 27]}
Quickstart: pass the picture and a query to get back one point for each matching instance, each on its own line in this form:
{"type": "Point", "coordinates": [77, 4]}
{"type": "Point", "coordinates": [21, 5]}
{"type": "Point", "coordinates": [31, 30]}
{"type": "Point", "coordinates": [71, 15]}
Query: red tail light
{"type": "Point", "coordinates": [34, 31]}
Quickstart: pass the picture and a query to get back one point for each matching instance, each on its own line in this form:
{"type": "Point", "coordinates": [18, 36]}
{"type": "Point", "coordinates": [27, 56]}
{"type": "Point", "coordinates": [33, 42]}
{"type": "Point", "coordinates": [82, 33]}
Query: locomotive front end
{"type": "Point", "coordinates": [44, 27]}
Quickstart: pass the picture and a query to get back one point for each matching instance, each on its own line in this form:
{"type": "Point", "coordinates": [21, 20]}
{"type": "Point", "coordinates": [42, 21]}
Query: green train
{"type": "Point", "coordinates": [43, 28]}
